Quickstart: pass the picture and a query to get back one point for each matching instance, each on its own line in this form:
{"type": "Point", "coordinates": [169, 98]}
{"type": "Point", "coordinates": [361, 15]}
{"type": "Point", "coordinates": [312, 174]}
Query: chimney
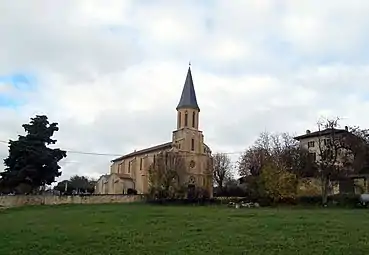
{"type": "Point", "coordinates": [346, 128]}
{"type": "Point", "coordinates": [308, 131]}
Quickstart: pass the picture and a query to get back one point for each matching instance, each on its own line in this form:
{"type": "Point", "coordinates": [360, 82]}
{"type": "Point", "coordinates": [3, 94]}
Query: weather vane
{"type": "Point", "coordinates": [189, 63]}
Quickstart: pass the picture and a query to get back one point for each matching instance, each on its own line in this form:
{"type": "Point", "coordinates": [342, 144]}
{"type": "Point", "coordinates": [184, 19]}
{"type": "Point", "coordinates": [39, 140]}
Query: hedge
{"type": "Point", "coordinates": [174, 201]}
{"type": "Point", "coordinates": [340, 200]}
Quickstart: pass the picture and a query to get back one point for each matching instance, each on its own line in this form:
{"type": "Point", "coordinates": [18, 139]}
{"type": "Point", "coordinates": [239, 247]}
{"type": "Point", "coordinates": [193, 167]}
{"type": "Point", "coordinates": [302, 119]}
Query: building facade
{"type": "Point", "coordinates": [314, 142]}
{"type": "Point", "coordinates": [130, 171]}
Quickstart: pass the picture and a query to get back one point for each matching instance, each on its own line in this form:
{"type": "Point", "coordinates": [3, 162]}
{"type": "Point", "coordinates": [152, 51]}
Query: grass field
{"type": "Point", "coordinates": [142, 229]}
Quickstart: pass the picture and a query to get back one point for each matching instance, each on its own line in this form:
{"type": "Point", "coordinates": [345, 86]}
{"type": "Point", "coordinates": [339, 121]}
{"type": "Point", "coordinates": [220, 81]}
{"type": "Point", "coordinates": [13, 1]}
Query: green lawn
{"type": "Point", "coordinates": [136, 229]}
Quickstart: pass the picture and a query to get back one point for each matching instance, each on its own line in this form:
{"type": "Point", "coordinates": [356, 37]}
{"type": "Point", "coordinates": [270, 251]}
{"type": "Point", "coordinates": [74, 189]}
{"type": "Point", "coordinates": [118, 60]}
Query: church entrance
{"type": "Point", "coordinates": [191, 188]}
{"type": "Point", "coordinates": [191, 191]}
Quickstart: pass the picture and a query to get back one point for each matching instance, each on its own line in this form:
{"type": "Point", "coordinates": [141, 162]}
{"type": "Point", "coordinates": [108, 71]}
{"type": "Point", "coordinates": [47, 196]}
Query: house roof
{"type": "Point", "coordinates": [188, 97]}
{"type": "Point", "coordinates": [320, 133]}
{"type": "Point", "coordinates": [143, 151]}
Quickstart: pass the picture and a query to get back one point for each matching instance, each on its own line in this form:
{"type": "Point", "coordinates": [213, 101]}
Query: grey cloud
{"type": "Point", "coordinates": [93, 80]}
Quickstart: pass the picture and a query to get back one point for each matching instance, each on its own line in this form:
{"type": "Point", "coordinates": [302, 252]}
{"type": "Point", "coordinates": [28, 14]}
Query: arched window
{"type": "Point", "coordinates": [192, 145]}
{"type": "Point", "coordinates": [186, 119]}
{"type": "Point", "coordinates": [179, 119]}
{"type": "Point", "coordinates": [193, 119]}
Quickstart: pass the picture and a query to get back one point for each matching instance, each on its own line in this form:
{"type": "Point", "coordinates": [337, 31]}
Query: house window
{"type": "Point", "coordinates": [311, 144]}
{"type": "Point", "coordinates": [312, 156]}
{"type": "Point", "coordinates": [141, 162]}
{"type": "Point", "coordinates": [192, 144]}
{"type": "Point", "coordinates": [193, 119]}
{"type": "Point", "coordinates": [179, 119]}
{"type": "Point", "coordinates": [327, 142]}
{"type": "Point", "coordinates": [186, 119]}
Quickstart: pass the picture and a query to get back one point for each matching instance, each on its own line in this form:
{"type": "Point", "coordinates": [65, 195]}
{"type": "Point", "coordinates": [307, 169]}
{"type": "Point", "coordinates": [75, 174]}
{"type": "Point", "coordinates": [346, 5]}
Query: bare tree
{"type": "Point", "coordinates": [252, 161]}
{"type": "Point", "coordinates": [222, 169]}
{"type": "Point", "coordinates": [280, 149]}
{"type": "Point", "coordinates": [166, 175]}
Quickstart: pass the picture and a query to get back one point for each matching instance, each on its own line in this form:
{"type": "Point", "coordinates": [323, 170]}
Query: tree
{"type": "Point", "coordinates": [79, 183]}
{"type": "Point", "coordinates": [76, 183]}
{"type": "Point", "coordinates": [278, 183]}
{"type": "Point", "coordinates": [280, 149]}
{"type": "Point", "coordinates": [30, 161]}
{"type": "Point", "coordinates": [64, 187]}
{"type": "Point", "coordinates": [166, 175]}
{"type": "Point", "coordinates": [91, 186]}
{"type": "Point", "coordinates": [222, 169]}
{"type": "Point", "coordinates": [252, 160]}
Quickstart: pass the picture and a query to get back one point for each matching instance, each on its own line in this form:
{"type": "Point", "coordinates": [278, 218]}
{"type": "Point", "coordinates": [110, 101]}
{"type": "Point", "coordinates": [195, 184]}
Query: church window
{"type": "Point", "coordinates": [179, 119]}
{"type": "Point", "coordinates": [192, 180]}
{"type": "Point", "coordinates": [129, 167]}
{"type": "Point", "coordinates": [141, 161]}
{"type": "Point", "coordinates": [192, 164]}
{"type": "Point", "coordinates": [192, 144]}
{"type": "Point", "coordinates": [193, 119]}
{"type": "Point", "coordinates": [186, 119]}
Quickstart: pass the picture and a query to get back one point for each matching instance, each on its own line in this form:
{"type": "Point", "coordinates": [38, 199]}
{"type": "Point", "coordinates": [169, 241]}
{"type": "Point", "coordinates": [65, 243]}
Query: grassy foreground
{"type": "Point", "coordinates": [143, 229]}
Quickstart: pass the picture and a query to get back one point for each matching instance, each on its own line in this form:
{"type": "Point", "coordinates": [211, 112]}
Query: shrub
{"type": "Point", "coordinates": [309, 200]}
{"type": "Point", "coordinates": [179, 201]}
{"type": "Point", "coordinates": [278, 183]}
{"type": "Point", "coordinates": [345, 200]}
{"type": "Point", "coordinates": [341, 200]}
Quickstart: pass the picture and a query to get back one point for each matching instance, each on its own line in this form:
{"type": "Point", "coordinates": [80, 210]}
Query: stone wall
{"type": "Point", "coordinates": [20, 200]}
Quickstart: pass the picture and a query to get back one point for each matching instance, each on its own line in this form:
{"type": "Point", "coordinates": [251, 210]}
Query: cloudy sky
{"type": "Point", "coordinates": [111, 72]}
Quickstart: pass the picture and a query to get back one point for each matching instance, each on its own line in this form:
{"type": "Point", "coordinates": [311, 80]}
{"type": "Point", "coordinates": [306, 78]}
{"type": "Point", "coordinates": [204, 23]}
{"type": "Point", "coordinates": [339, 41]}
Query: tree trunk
{"type": "Point", "coordinates": [325, 187]}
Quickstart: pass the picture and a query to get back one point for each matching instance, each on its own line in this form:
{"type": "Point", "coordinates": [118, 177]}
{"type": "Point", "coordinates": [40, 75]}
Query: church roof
{"type": "Point", "coordinates": [162, 146]}
{"type": "Point", "coordinates": [188, 97]}
{"type": "Point", "coordinates": [143, 151]}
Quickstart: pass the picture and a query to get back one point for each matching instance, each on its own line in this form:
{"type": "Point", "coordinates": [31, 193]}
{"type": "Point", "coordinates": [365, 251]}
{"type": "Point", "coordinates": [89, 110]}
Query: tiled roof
{"type": "Point", "coordinates": [320, 133]}
{"type": "Point", "coordinates": [143, 151]}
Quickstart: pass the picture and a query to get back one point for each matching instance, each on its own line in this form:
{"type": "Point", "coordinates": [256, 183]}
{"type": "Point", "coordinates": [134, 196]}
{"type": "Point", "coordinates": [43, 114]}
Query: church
{"type": "Point", "coordinates": [130, 171]}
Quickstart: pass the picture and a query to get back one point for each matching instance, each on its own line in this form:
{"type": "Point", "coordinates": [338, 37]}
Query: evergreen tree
{"type": "Point", "coordinates": [31, 162]}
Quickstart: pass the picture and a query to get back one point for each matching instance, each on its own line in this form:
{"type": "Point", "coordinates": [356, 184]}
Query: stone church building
{"type": "Point", "coordinates": [130, 171]}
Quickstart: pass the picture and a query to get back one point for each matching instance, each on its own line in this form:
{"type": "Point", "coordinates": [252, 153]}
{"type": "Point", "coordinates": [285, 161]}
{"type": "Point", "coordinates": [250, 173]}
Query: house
{"type": "Point", "coordinates": [130, 171]}
{"type": "Point", "coordinates": [313, 142]}
{"type": "Point", "coordinates": [310, 141]}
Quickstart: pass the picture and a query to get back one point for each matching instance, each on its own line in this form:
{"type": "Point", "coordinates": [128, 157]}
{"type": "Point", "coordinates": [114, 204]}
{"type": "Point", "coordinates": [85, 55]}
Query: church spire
{"type": "Point", "coordinates": [188, 97]}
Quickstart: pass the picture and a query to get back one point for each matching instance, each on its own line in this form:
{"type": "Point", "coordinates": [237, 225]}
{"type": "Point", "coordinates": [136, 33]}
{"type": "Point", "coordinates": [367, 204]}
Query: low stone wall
{"type": "Point", "coordinates": [21, 200]}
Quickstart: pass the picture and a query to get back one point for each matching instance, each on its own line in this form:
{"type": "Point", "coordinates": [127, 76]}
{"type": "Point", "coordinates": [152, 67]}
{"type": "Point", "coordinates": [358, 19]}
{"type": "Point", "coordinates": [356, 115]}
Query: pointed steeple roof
{"type": "Point", "coordinates": [188, 97]}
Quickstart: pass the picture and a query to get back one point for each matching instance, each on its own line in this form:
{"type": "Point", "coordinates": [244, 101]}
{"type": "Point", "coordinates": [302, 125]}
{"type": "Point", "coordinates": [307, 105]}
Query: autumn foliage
{"type": "Point", "coordinates": [278, 184]}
